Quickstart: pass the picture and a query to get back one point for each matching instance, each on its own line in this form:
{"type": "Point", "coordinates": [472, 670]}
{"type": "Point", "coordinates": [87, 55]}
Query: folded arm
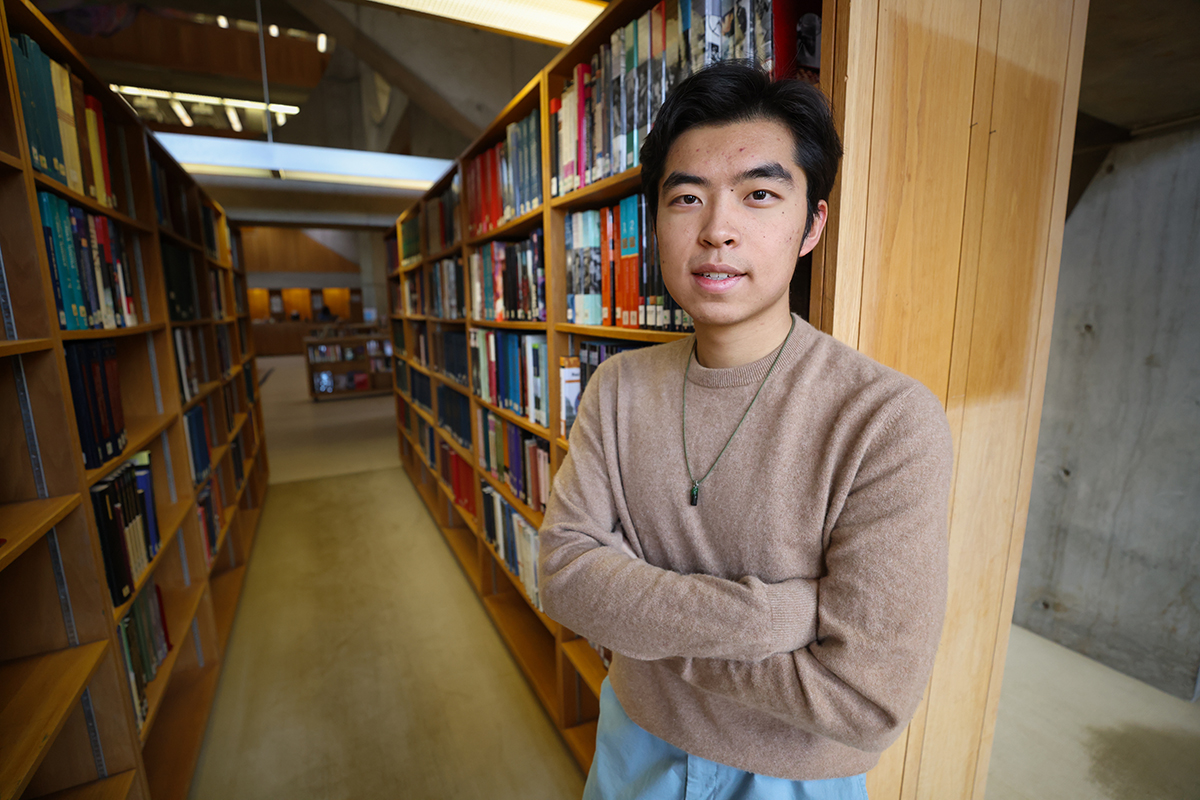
{"type": "Point", "coordinates": [592, 581]}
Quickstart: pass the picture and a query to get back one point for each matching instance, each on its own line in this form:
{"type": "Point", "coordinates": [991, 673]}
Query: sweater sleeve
{"type": "Point", "coordinates": [881, 601]}
{"type": "Point", "coordinates": [593, 581]}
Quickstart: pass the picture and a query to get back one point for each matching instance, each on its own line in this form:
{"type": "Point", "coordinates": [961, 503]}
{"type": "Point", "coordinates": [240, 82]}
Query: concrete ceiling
{"type": "Point", "coordinates": [1141, 62]}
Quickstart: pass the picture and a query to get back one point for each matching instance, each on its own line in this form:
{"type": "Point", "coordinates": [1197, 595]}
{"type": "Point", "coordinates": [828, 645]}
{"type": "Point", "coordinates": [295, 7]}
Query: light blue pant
{"type": "Point", "coordinates": [633, 764]}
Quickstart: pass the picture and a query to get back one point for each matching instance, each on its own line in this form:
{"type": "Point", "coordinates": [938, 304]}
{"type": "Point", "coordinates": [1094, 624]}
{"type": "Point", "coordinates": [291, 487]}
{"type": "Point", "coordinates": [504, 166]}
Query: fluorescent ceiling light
{"type": "Point", "coordinates": [222, 21]}
{"type": "Point", "coordinates": [356, 180]}
{"type": "Point", "coordinates": [209, 155]}
{"type": "Point", "coordinates": [256, 105]}
{"type": "Point", "coordinates": [557, 21]}
{"type": "Point", "coordinates": [196, 98]}
{"type": "Point", "coordinates": [181, 112]}
{"type": "Point", "coordinates": [322, 42]}
{"type": "Point", "coordinates": [137, 91]}
{"type": "Point", "coordinates": [273, 30]}
{"type": "Point", "coordinates": [280, 118]}
{"type": "Point", "coordinates": [235, 121]}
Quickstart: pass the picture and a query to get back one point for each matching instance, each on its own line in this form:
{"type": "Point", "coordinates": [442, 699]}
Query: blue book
{"type": "Point", "coordinates": [28, 100]}
{"type": "Point", "coordinates": [145, 485]}
{"type": "Point", "coordinates": [69, 275]}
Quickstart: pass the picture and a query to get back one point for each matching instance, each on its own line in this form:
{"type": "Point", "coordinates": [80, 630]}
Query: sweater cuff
{"type": "Point", "coordinates": [793, 606]}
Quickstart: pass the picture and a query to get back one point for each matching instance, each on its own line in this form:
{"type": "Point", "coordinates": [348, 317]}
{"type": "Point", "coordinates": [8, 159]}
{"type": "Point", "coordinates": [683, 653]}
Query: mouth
{"type": "Point", "coordinates": [717, 278]}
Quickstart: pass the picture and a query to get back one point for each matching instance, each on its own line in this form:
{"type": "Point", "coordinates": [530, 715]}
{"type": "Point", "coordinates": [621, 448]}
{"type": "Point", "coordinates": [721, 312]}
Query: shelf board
{"type": "Point", "coordinates": [423, 414]}
{"type": "Point", "coordinates": [25, 522]}
{"type": "Point", "coordinates": [586, 662]}
{"type": "Point", "coordinates": [226, 588]}
{"type": "Point", "coordinates": [512, 325]}
{"type": "Point", "coordinates": [234, 371]}
{"type": "Point", "coordinates": [514, 227]}
{"type": "Point", "coordinates": [409, 267]}
{"type": "Point", "coordinates": [16, 347]}
{"type": "Point", "coordinates": [514, 418]}
{"type": "Point", "coordinates": [581, 739]}
{"type": "Point", "coordinates": [115, 787]}
{"type": "Point", "coordinates": [452, 250]}
{"type": "Point", "coordinates": [225, 320]}
{"type": "Point", "coordinates": [350, 392]}
{"type": "Point", "coordinates": [170, 757]}
{"type": "Point", "coordinates": [205, 390]}
{"type": "Point", "coordinates": [113, 333]}
{"type": "Point", "coordinates": [175, 516]}
{"type": "Point", "coordinates": [239, 419]}
{"type": "Point", "coordinates": [421, 368]}
{"type": "Point", "coordinates": [191, 323]}
{"type": "Point", "coordinates": [561, 442]}
{"type": "Point", "coordinates": [183, 241]}
{"type": "Point", "coordinates": [463, 544]}
{"type": "Point", "coordinates": [463, 452]}
{"type": "Point", "coordinates": [530, 643]}
{"type": "Point", "coordinates": [138, 433]}
{"type": "Point", "coordinates": [89, 203]}
{"type": "Point", "coordinates": [602, 192]}
{"type": "Point", "coordinates": [631, 334]}
{"type": "Point", "coordinates": [177, 629]}
{"type": "Point", "coordinates": [11, 161]}
{"type": "Point", "coordinates": [217, 263]}
{"type": "Point", "coordinates": [516, 581]}
{"type": "Point", "coordinates": [37, 694]}
{"type": "Point", "coordinates": [216, 454]}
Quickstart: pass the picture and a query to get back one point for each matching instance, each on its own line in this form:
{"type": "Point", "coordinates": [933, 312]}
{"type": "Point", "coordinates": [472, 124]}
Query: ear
{"type": "Point", "coordinates": [815, 230]}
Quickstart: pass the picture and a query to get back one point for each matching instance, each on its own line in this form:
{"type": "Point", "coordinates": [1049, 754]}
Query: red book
{"type": "Point", "coordinates": [497, 191]}
{"type": "Point", "coordinates": [94, 104]}
{"type": "Point", "coordinates": [618, 278]}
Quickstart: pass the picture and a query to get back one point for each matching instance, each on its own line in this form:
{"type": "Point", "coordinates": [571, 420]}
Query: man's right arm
{"type": "Point", "coordinates": [591, 583]}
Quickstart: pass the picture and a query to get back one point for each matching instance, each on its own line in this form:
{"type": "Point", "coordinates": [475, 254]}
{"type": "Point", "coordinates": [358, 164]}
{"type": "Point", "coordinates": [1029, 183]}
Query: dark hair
{"type": "Point", "coordinates": [737, 91]}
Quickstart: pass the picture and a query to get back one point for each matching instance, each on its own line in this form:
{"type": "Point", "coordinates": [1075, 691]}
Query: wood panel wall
{"type": "Point", "coordinates": [957, 120]}
{"type": "Point", "coordinates": [291, 250]}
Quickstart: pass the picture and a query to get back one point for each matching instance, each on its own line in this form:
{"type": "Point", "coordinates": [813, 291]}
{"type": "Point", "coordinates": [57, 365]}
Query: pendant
{"type": "Point", "coordinates": [695, 493]}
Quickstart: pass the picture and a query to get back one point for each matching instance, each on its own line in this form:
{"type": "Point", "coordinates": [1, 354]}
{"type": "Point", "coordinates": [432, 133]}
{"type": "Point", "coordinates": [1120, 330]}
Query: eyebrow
{"type": "Point", "coordinates": [769, 171]}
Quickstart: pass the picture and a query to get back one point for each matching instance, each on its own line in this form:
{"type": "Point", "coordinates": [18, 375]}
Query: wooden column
{"type": "Point", "coordinates": [957, 118]}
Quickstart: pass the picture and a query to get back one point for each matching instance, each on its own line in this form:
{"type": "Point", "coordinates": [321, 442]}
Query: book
{"type": "Point", "coordinates": [94, 378]}
{"type": "Point", "coordinates": [508, 280]}
{"type": "Point", "coordinates": [568, 393]}
{"type": "Point", "coordinates": [497, 193]}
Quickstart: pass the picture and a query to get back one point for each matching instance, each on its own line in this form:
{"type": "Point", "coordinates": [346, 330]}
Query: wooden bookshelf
{"type": "Point", "coordinates": [379, 380]}
{"type": "Point", "coordinates": [69, 729]}
{"type": "Point", "coordinates": [909, 294]}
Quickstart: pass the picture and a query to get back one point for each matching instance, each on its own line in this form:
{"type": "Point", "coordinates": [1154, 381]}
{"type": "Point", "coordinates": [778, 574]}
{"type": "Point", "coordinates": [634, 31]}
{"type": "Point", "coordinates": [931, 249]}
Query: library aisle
{"type": "Point", "coordinates": [361, 663]}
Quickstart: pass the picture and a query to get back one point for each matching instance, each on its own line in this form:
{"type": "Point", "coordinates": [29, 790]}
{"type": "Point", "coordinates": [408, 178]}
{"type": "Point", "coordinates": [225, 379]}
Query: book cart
{"type": "Point", "coordinates": [946, 111]}
{"type": "Point", "coordinates": [348, 361]}
{"type": "Point", "coordinates": [68, 724]}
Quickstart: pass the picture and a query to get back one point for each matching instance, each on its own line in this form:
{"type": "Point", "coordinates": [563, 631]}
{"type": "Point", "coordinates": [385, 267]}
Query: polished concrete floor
{"type": "Point", "coordinates": [362, 665]}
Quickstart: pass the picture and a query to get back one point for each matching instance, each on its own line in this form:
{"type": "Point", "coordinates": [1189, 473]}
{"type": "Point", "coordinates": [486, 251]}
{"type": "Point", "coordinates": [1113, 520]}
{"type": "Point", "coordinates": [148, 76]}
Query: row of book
{"type": "Point", "coordinates": [145, 642]}
{"type": "Point", "coordinates": [96, 396]}
{"type": "Point", "coordinates": [515, 540]}
{"type": "Point", "coordinates": [457, 472]}
{"type": "Point", "coordinates": [225, 355]}
{"type": "Point", "coordinates": [422, 390]}
{"type": "Point", "coordinates": [441, 218]}
{"type": "Point", "coordinates": [89, 273]}
{"type": "Point", "coordinates": [198, 435]}
{"type": "Point", "coordinates": [609, 104]}
{"type": "Point", "coordinates": [190, 361]}
{"type": "Point", "coordinates": [210, 515]}
{"type": "Point", "coordinates": [238, 454]}
{"type": "Point", "coordinates": [505, 181]}
{"type": "Point", "coordinates": [402, 377]}
{"type": "Point", "coordinates": [510, 370]}
{"type": "Point", "coordinates": [410, 294]}
{"type": "Point", "coordinates": [448, 293]}
{"type": "Point", "coordinates": [127, 521]}
{"type": "Point", "coordinates": [64, 125]}
{"type": "Point", "coordinates": [508, 281]}
{"type": "Point", "coordinates": [171, 204]}
{"type": "Point", "coordinates": [449, 355]}
{"type": "Point", "coordinates": [361, 351]}
{"type": "Point", "coordinates": [326, 382]}
{"type": "Point", "coordinates": [216, 285]}
{"type": "Point", "coordinates": [427, 439]}
{"type": "Point", "coordinates": [518, 458]}
{"type": "Point", "coordinates": [216, 235]}
{"type": "Point", "coordinates": [410, 241]}
{"type": "Point", "coordinates": [454, 414]}
{"type": "Point", "coordinates": [574, 372]}
{"type": "Point", "coordinates": [179, 272]}
{"type": "Point", "coordinates": [613, 274]}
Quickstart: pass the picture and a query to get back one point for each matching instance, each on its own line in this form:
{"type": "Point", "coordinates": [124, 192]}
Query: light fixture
{"type": "Point", "coordinates": [551, 21]}
{"type": "Point", "coordinates": [280, 118]}
{"type": "Point", "coordinates": [182, 113]}
{"type": "Point", "coordinates": [138, 91]}
{"type": "Point", "coordinates": [195, 98]}
{"type": "Point", "coordinates": [273, 30]}
{"type": "Point", "coordinates": [159, 94]}
{"type": "Point", "coordinates": [322, 42]}
{"type": "Point", "coordinates": [355, 180]}
{"type": "Point", "coordinates": [235, 121]}
{"type": "Point", "coordinates": [228, 172]}
{"type": "Point", "coordinates": [222, 21]}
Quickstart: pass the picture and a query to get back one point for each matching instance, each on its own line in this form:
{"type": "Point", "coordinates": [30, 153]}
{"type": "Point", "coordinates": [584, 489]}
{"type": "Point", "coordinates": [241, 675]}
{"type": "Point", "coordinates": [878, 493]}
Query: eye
{"type": "Point", "coordinates": [686, 200]}
{"type": "Point", "coordinates": [760, 195]}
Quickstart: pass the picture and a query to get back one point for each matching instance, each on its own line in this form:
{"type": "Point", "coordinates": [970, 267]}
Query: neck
{"type": "Point", "coordinates": [724, 346]}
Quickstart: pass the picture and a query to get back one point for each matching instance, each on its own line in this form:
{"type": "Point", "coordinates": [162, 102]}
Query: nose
{"type": "Point", "coordinates": [720, 225]}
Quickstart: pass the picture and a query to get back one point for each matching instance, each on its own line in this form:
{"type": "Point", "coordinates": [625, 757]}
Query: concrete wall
{"type": "Point", "coordinates": [1111, 562]}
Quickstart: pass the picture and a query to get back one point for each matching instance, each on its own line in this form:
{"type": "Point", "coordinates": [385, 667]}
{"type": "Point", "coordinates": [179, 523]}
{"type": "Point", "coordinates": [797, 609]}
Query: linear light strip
{"type": "Point", "coordinates": [183, 97]}
{"type": "Point", "coordinates": [551, 20]}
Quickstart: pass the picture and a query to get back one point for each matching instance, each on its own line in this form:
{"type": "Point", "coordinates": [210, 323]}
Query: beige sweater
{"type": "Point", "coordinates": [787, 624]}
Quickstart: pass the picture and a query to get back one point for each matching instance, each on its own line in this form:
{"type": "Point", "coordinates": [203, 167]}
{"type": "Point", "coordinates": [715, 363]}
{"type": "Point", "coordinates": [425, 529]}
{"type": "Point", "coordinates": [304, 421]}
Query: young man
{"type": "Point", "coordinates": [754, 518]}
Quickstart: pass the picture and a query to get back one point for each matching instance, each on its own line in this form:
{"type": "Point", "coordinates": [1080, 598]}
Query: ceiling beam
{"type": "Point", "coordinates": [332, 22]}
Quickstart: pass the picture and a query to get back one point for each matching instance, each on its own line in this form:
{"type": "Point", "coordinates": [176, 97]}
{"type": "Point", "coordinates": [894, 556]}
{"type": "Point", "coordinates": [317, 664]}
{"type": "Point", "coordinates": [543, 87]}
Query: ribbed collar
{"type": "Point", "coordinates": [755, 371]}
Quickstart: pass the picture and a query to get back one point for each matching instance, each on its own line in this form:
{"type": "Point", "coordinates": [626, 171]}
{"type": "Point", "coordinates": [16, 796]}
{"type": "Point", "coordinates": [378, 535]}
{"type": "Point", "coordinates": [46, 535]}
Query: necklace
{"type": "Point", "coordinates": [694, 496]}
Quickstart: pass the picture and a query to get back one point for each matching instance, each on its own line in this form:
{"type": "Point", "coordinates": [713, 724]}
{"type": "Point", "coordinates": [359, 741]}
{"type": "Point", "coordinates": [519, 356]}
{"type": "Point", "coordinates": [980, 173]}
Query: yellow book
{"type": "Point", "coordinates": [93, 129]}
{"type": "Point", "coordinates": [60, 80]}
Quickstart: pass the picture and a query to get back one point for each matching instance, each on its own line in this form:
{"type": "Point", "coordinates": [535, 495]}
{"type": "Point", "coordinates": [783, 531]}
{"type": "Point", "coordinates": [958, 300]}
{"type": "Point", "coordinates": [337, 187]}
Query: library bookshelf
{"type": "Point", "coordinates": [923, 266]}
{"type": "Point", "coordinates": [68, 724]}
{"type": "Point", "coordinates": [348, 361]}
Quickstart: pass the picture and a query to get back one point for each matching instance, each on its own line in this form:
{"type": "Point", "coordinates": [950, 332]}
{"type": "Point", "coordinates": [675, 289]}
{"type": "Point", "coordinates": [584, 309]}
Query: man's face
{"type": "Point", "coordinates": [731, 216]}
